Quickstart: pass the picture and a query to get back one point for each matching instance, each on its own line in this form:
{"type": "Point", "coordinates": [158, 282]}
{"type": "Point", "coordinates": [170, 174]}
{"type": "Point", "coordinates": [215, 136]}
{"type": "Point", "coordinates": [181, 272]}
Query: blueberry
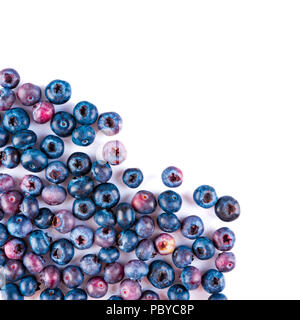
{"type": "Point", "coordinates": [114, 152]}
{"type": "Point", "coordinates": [110, 123]}
{"type": "Point", "coordinates": [113, 272]}
{"type": "Point", "coordinates": [52, 146]}
{"type": "Point", "coordinates": [105, 237]}
{"type": "Point", "coordinates": [205, 196]}
{"type": "Point", "coordinates": [62, 251]}
{"type": "Point", "coordinates": [149, 295]}
{"type": "Point", "coordinates": [9, 78]}
{"type": "Point", "coordinates": [106, 195]}
{"type": "Point", "coordinates": [13, 270]}
{"type": "Point", "coordinates": [164, 244]}
{"type": "Point", "coordinates": [90, 264]}
{"type": "Point", "coordinates": [4, 137]}
{"type": "Point", "coordinates": [178, 292]}
{"type": "Point", "coordinates": [101, 171]}
{"type": "Point", "coordinates": [168, 222]}
{"type": "Point", "coordinates": [136, 269]}
{"type": "Point", "coordinates": [72, 276]}
{"type": "Point", "coordinates": [144, 227]}
{"type": "Point", "coordinates": [127, 240]}
{"type": "Point", "coordinates": [63, 124]}
{"type": "Point", "coordinates": [130, 290]}
{"type": "Point", "coordinates": [125, 215]}
{"type": "Point", "coordinates": [161, 275]}
{"type": "Point", "coordinates": [42, 112]}
{"type": "Point", "coordinates": [63, 221]}
{"type": "Point", "coordinates": [10, 157]}
{"type": "Point", "coordinates": [7, 99]}
{"type": "Point", "coordinates": [83, 209]}
{"type": "Point", "coordinates": [217, 296]}
{"type": "Point", "coordinates": [7, 182]}
{"type": "Point", "coordinates": [4, 235]}
{"type": "Point", "coordinates": [227, 209]}
{"type": "Point", "coordinates": [19, 226]}
{"type": "Point", "coordinates": [44, 219]}
{"type": "Point", "coordinates": [213, 281]}
{"type": "Point", "coordinates": [15, 248]}
{"type": "Point", "coordinates": [10, 202]}
{"type": "Point", "coordinates": [85, 113]}
{"type": "Point", "coordinates": [31, 185]}
{"type": "Point", "coordinates": [39, 242]}
{"type": "Point", "coordinates": [83, 136]}
{"type": "Point", "coordinates": [190, 277]}
{"type": "Point", "coordinates": [15, 119]}
{"type": "Point", "coordinates": [172, 177]}
{"type": "Point", "coordinates": [225, 262]}
{"type": "Point", "coordinates": [105, 218]}
{"type": "Point", "coordinates": [50, 277]}
{"type": "Point", "coordinates": [203, 248]}
{"type": "Point", "coordinates": [29, 94]}
{"type": "Point", "coordinates": [33, 263]}
{"type": "Point", "coordinates": [30, 207]}
{"type": "Point", "coordinates": [114, 297]}
{"type": "Point", "coordinates": [96, 287]}
{"type": "Point", "coordinates": [56, 172]}
{"type": "Point", "coordinates": [182, 256]}
{"type": "Point", "coordinates": [109, 255]}
{"type": "Point", "coordinates": [2, 260]}
{"type": "Point", "coordinates": [10, 292]}
{"type": "Point", "coordinates": [76, 294]}
{"type": "Point", "coordinates": [79, 164]}
{"type": "Point", "coordinates": [223, 239]}
{"type": "Point", "coordinates": [52, 294]}
{"type": "Point", "coordinates": [54, 195]}
{"type": "Point", "coordinates": [81, 187]}
{"type": "Point", "coordinates": [1, 214]}
{"type": "Point", "coordinates": [170, 201]}
{"type": "Point", "coordinates": [145, 250]}
{"type": "Point", "coordinates": [144, 202]}
{"type": "Point", "coordinates": [82, 237]}
{"type": "Point", "coordinates": [24, 139]}
{"type": "Point", "coordinates": [58, 91]}
{"type": "Point", "coordinates": [28, 286]}
{"type": "Point", "coordinates": [132, 177]}
{"type": "Point", "coordinates": [34, 160]}
{"type": "Point", "coordinates": [192, 227]}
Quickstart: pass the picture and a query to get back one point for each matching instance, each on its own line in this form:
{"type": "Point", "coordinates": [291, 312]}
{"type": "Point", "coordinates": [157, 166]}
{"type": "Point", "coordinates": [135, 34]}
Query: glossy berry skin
{"type": "Point", "coordinates": [3, 258]}
{"type": "Point", "coordinates": [190, 277]}
{"type": "Point", "coordinates": [144, 202]}
{"type": "Point", "coordinates": [192, 227]}
{"type": "Point", "coordinates": [81, 187]}
{"type": "Point", "coordinates": [105, 237]}
{"type": "Point", "coordinates": [217, 296]}
{"type": "Point", "coordinates": [7, 182]}
{"type": "Point", "coordinates": [114, 152]}
{"type": "Point", "coordinates": [28, 286]}
{"type": "Point", "coordinates": [10, 157]}
{"type": "Point", "coordinates": [62, 251]}
{"type": "Point", "coordinates": [178, 292]}
{"type": "Point", "coordinates": [79, 164]}
{"type": "Point", "coordinates": [205, 196]}
{"type": "Point", "coordinates": [44, 219]}
{"type": "Point", "coordinates": [90, 264]}
{"type": "Point", "coordinates": [127, 240]}
{"type": "Point", "coordinates": [161, 275]}
{"type": "Point", "coordinates": [182, 256]}
{"type": "Point", "coordinates": [83, 209]}
{"type": "Point", "coordinates": [105, 218]}
{"type": "Point", "coordinates": [130, 290]}
{"type": "Point", "coordinates": [164, 244]}
{"type": "Point", "coordinates": [227, 209]}
{"type": "Point", "coordinates": [82, 237]}
{"type": "Point", "coordinates": [223, 239]}
{"type": "Point", "coordinates": [33, 263]}
{"type": "Point", "coordinates": [83, 136]}
{"type": "Point", "coordinates": [9, 78]}
{"type": "Point", "coordinates": [34, 160]}
{"type": "Point", "coordinates": [170, 201]}
{"type": "Point", "coordinates": [96, 287]}
{"type": "Point", "coordinates": [30, 207]}
{"type": "Point", "coordinates": [52, 146]}
{"type": "Point", "coordinates": [10, 292]}
{"type": "Point", "coordinates": [50, 277]}
{"type": "Point", "coordinates": [149, 295]}
{"type": "Point", "coordinates": [113, 272]}
{"type": "Point", "coordinates": [4, 235]}
{"type": "Point", "coordinates": [106, 195]}
{"type": "Point", "coordinates": [10, 202]}
{"type": "Point", "coordinates": [54, 195]}
{"type": "Point", "coordinates": [136, 269]}
{"type": "Point", "coordinates": [42, 112]}
{"type": "Point", "coordinates": [213, 281]}
{"type": "Point", "coordinates": [145, 250]}
{"type": "Point", "coordinates": [132, 177]}
{"type": "Point", "coordinates": [29, 94]}
{"type": "Point", "coordinates": [172, 177]}
{"type": "Point", "coordinates": [101, 171]}
{"type": "Point", "coordinates": [39, 242]}
{"type": "Point", "coordinates": [63, 124]}
{"type": "Point", "coordinates": [114, 297]}
{"type": "Point", "coordinates": [203, 248]}
{"type": "Point", "coordinates": [58, 91]}
{"type": "Point", "coordinates": [110, 123]}
{"type": "Point", "coordinates": [15, 119]}
{"type": "Point", "coordinates": [24, 139]}
{"type": "Point", "coordinates": [19, 226]}
{"type": "Point", "coordinates": [7, 99]}
{"type": "Point", "coordinates": [109, 255]}
{"type": "Point", "coordinates": [76, 294]}
{"type": "Point", "coordinates": [1, 214]}
{"type": "Point", "coordinates": [168, 222]}
{"type": "Point", "coordinates": [225, 262]}
{"type": "Point", "coordinates": [63, 221]}
{"type": "Point", "coordinates": [13, 270]}
{"type": "Point", "coordinates": [15, 248]}
{"type": "Point", "coordinates": [144, 227]}
{"type": "Point", "coordinates": [72, 276]}
{"type": "Point", "coordinates": [85, 113]}
{"type": "Point", "coordinates": [52, 294]}
{"type": "Point", "coordinates": [125, 215]}
{"type": "Point", "coordinates": [31, 185]}
{"type": "Point", "coordinates": [4, 137]}
{"type": "Point", "coordinates": [56, 172]}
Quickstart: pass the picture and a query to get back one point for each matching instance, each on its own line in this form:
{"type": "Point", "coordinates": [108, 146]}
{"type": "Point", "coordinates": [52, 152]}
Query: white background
{"type": "Point", "coordinates": [209, 86]}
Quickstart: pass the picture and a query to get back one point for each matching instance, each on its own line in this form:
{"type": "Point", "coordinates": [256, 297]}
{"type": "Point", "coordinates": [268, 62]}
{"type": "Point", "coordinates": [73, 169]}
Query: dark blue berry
{"type": "Point", "coordinates": [56, 172]}
{"type": "Point", "coordinates": [9, 78]}
{"type": "Point", "coordinates": [63, 124]}
{"type": "Point", "coordinates": [85, 113]}
{"type": "Point", "coordinates": [31, 185]}
{"type": "Point", "coordinates": [83, 136]}
{"type": "Point", "coordinates": [205, 196]}
{"type": "Point", "coordinates": [39, 242]}
{"type": "Point", "coordinates": [7, 99]}
{"type": "Point", "coordinates": [203, 248]}
{"type": "Point", "coordinates": [213, 281]}
{"type": "Point", "coordinates": [105, 218]}
{"type": "Point", "coordinates": [52, 146]}
{"type": "Point", "coordinates": [44, 219]}
{"type": "Point", "coordinates": [178, 292]}
{"type": "Point", "coordinates": [15, 119]}
{"type": "Point", "coordinates": [10, 157]}
{"type": "Point", "coordinates": [145, 250]}
{"type": "Point", "coordinates": [192, 227]}
{"type": "Point", "coordinates": [34, 160]}
{"type": "Point", "coordinates": [62, 251]}
{"type": "Point", "coordinates": [24, 139]}
{"type": "Point", "coordinates": [136, 269]}
{"type": "Point", "coordinates": [217, 296]}
{"type": "Point", "coordinates": [19, 226]}
{"type": "Point", "coordinates": [172, 177]}
{"type": "Point", "coordinates": [168, 222]}
{"type": "Point", "coordinates": [191, 277]}
{"type": "Point", "coordinates": [30, 207]}
{"type": "Point", "coordinates": [109, 123]}
{"type": "Point", "coordinates": [113, 272]}
{"type": "Point", "coordinates": [79, 164]}
{"type": "Point", "coordinates": [2, 258]}
{"type": "Point", "coordinates": [227, 209]}
{"type": "Point", "coordinates": [82, 237]}
{"type": "Point", "coordinates": [170, 201]}
{"type": "Point", "coordinates": [90, 264]}
{"type": "Point", "coordinates": [109, 255]}
{"type": "Point", "coordinates": [52, 294]}
{"type": "Point", "coordinates": [101, 171]}
{"type": "Point", "coordinates": [223, 239]}
{"type": "Point", "coordinates": [144, 227]}
{"type": "Point", "coordinates": [127, 240]}
{"type": "Point", "coordinates": [4, 137]}
{"type": "Point", "coordinates": [106, 195]}
{"type": "Point", "coordinates": [182, 256]}
{"type": "Point", "coordinates": [72, 276]}
{"type": "Point", "coordinates": [114, 297]}
{"type": "Point", "coordinates": [81, 187]}
{"type": "Point", "coordinates": [125, 215]}
{"type": "Point", "coordinates": [83, 209]}
{"type": "Point", "coordinates": [28, 286]}
{"type": "Point", "coordinates": [105, 237]}
{"type": "Point", "coordinates": [76, 294]}
{"type": "Point", "coordinates": [10, 292]}
{"type": "Point", "coordinates": [149, 295]}
{"type": "Point", "coordinates": [58, 91]}
{"type": "Point", "coordinates": [132, 177]}
{"type": "Point", "coordinates": [161, 275]}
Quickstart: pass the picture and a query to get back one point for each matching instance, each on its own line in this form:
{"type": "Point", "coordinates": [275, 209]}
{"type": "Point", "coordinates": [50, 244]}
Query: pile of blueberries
{"type": "Point", "coordinates": [126, 227]}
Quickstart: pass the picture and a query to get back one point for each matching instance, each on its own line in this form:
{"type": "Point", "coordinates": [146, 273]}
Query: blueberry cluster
{"type": "Point", "coordinates": [26, 248]}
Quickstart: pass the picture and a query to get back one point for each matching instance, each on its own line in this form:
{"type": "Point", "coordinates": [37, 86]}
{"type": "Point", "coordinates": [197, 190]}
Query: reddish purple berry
{"type": "Point", "coordinates": [9, 78]}
{"type": "Point", "coordinates": [223, 239]}
{"type": "Point", "coordinates": [15, 248]}
{"type": "Point", "coordinates": [165, 244]}
{"type": "Point", "coordinates": [225, 261]}
{"type": "Point", "coordinates": [50, 277]}
{"type": "Point", "coordinates": [54, 195]}
{"type": "Point", "coordinates": [96, 287]}
{"type": "Point", "coordinates": [130, 290]}
{"type": "Point", "coordinates": [33, 263]}
{"type": "Point", "coordinates": [29, 94]}
{"type": "Point", "coordinates": [144, 202]}
{"type": "Point", "coordinates": [43, 112]}
{"type": "Point", "coordinates": [64, 221]}
{"type": "Point", "coordinates": [7, 182]}
{"type": "Point", "coordinates": [10, 202]}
